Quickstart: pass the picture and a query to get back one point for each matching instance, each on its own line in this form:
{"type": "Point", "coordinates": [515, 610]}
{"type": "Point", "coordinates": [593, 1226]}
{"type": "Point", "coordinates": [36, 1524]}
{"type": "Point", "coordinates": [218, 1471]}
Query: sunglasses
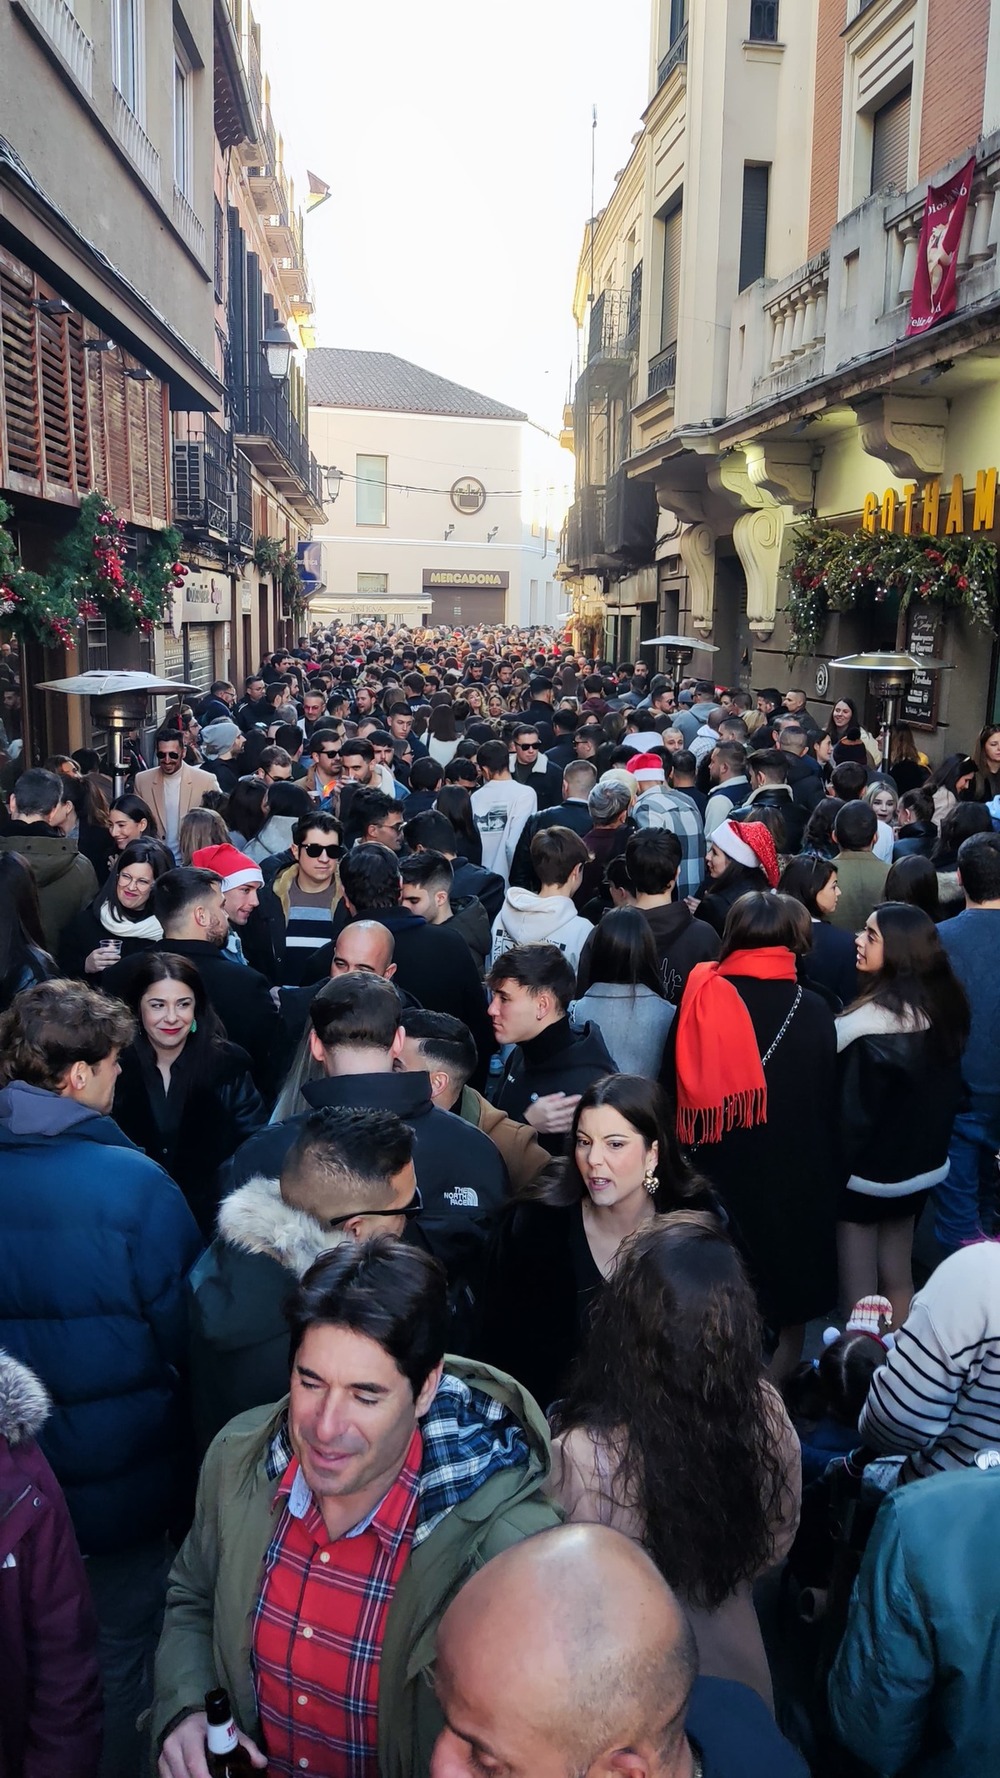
{"type": "Point", "coordinates": [408, 1211]}
{"type": "Point", "coordinates": [167, 756]}
{"type": "Point", "coordinates": [315, 851]}
{"type": "Point", "coordinates": [527, 746]}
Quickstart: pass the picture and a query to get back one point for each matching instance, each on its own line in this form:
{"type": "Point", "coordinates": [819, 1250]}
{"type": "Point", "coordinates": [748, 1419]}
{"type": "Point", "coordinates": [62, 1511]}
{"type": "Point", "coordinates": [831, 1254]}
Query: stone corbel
{"type": "Point", "coordinates": [757, 537]}
{"type": "Point", "coordinates": [697, 548]}
{"type": "Point", "coordinates": [783, 469]}
{"type": "Point", "coordinates": [729, 477]}
{"type": "Point", "coordinates": [905, 432]}
{"type": "Point", "coordinates": [686, 504]}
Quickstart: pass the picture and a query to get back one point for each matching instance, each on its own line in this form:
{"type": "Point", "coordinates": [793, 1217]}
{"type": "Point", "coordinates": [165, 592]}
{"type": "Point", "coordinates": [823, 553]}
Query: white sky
{"type": "Point", "coordinates": [456, 139]}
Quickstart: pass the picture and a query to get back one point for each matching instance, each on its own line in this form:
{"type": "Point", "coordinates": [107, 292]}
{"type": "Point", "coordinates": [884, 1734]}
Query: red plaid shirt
{"type": "Point", "coordinates": [319, 1624]}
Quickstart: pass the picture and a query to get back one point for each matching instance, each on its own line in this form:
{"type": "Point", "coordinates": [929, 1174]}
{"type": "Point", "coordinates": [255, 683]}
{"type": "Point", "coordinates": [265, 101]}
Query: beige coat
{"type": "Point", "coordinates": [730, 1645]}
{"type": "Point", "coordinates": [195, 785]}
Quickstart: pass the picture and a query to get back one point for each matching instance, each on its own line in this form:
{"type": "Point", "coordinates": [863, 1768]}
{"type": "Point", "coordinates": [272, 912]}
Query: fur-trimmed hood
{"type": "Point", "coordinates": [256, 1219]}
{"type": "Point", "coordinates": [24, 1402]}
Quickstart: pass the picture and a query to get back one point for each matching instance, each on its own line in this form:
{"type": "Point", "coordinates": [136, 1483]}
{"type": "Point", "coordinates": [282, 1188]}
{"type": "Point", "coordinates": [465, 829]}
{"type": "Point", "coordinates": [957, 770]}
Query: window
{"type": "Point", "coordinates": [125, 51]}
{"type": "Point", "coordinates": [183, 132]}
{"type": "Point", "coordinates": [763, 21]}
{"type": "Point", "coordinates": [678, 19]}
{"type": "Point", "coordinates": [891, 143]}
{"type": "Point", "coordinates": [370, 493]}
{"type": "Point", "coordinates": [753, 233]}
{"type": "Point", "coordinates": [670, 297]}
{"type": "Point", "coordinates": [372, 586]}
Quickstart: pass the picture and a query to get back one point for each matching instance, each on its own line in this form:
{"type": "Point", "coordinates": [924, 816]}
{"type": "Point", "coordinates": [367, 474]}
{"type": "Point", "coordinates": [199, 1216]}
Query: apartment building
{"type": "Point", "coordinates": [450, 504]}
{"type": "Point", "coordinates": [783, 236]}
{"type": "Point", "coordinates": [149, 242]}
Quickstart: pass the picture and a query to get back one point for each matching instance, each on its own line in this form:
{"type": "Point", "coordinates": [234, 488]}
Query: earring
{"type": "Point", "coordinates": [650, 1180]}
{"type": "Point", "coordinates": [194, 1027]}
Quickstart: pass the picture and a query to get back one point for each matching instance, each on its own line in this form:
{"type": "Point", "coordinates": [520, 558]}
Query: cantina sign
{"type": "Point", "coordinates": [935, 509]}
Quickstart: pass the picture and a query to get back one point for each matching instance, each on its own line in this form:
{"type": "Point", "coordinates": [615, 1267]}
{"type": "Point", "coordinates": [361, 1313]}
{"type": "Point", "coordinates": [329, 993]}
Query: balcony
{"type": "Point", "coordinates": [276, 445]}
{"type": "Point", "coordinates": [135, 142]}
{"type": "Point", "coordinates": [850, 304]}
{"type": "Point", "coordinates": [610, 347]}
{"type": "Point", "coordinates": [585, 531]}
{"type": "Point", "coordinates": [676, 57]}
{"type": "Point", "coordinates": [55, 22]}
{"type": "Point", "coordinates": [630, 519]}
{"type": "Point", "coordinates": [653, 415]}
{"type": "Point", "coordinates": [242, 530]}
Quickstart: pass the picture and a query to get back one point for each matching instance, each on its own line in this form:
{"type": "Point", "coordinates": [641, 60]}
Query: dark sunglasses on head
{"type": "Point", "coordinates": [315, 851]}
{"type": "Point", "coordinates": [408, 1211]}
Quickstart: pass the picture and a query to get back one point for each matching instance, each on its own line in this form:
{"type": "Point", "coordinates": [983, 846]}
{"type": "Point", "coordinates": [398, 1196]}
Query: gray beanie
{"type": "Point", "coordinates": [218, 737]}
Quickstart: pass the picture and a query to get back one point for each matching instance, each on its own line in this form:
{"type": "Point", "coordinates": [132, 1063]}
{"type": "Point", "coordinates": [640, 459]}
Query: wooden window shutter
{"type": "Point", "coordinates": [22, 432]}
{"type": "Point", "coordinates": [138, 437]}
{"type": "Point", "coordinates": [78, 401]}
{"type": "Point", "coordinates": [116, 428]}
{"type": "Point", "coordinates": [58, 467]}
{"type": "Point", "coordinates": [98, 431]}
{"type": "Point", "coordinates": [671, 277]}
{"type": "Point", "coordinates": [891, 142]}
{"type": "Point", "coordinates": [156, 405]}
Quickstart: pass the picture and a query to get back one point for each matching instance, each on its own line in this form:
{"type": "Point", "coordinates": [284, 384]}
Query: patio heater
{"type": "Point", "coordinates": [678, 650]}
{"type": "Point", "coordinates": [889, 679]}
{"type": "Point", "coordinates": [119, 702]}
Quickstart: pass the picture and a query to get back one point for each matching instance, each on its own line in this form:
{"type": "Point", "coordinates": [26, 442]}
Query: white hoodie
{"type": "Point", "coordinates": [530, 919]}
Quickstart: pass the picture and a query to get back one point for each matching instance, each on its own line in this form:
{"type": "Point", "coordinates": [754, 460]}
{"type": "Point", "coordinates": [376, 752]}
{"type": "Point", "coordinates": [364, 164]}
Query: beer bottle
{"type": "Point", "coordinates": [227, 1757]}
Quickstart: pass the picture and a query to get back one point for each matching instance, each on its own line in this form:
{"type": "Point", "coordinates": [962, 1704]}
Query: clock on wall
{"type": "Point", "coordinates": [468, 495]}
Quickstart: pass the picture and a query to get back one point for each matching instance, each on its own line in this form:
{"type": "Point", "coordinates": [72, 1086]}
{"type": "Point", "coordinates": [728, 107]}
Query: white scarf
{"type": "Point", "coordinates": [148, 927]}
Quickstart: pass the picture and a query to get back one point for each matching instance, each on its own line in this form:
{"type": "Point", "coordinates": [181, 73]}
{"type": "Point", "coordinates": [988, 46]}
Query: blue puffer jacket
{"type": "Point", "coordinates": [96, 1243]}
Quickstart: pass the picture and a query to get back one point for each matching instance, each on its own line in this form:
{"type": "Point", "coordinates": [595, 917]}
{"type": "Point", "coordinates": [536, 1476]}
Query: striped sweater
{"type": "Point", "coordinates": [937, 1397]}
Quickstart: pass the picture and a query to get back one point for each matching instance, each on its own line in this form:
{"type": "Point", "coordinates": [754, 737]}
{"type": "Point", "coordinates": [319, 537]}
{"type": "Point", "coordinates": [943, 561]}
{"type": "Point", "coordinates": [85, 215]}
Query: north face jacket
{"type": "Point", "coordinates": [466, 1514]}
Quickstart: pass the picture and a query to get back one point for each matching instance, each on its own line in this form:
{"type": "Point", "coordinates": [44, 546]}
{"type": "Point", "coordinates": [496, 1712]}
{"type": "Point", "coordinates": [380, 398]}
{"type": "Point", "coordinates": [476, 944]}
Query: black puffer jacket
{"type": "Point", "coordinates": [898, 1101]}
{"type": "Point", "coordinates": [558, 1060]}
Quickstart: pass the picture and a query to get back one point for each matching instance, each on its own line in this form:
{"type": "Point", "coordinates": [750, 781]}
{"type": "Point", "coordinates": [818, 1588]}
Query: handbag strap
{"type": "Point", "coordinates": [792, 1010]}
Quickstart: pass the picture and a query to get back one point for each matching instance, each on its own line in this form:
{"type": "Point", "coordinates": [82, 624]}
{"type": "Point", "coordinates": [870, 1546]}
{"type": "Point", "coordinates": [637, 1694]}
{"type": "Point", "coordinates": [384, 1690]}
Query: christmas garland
{"type": "Point", "coordinates": [268, 555]}
{"type": "Point", "coordinates": [837, 571]}
{"type": "Point", "coordinates": [91, 571]}
{"type": "Point", "coordinates": [29, 608]}
{"type": "Point", "coordinates": [292, 585]}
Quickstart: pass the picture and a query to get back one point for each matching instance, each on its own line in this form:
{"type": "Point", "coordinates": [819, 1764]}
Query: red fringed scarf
{"type": "Point", "coordinates": [720, 1080]}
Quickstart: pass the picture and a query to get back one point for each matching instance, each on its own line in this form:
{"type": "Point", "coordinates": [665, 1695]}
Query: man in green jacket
{"type": "Point", "coordinates": [332, 1529]}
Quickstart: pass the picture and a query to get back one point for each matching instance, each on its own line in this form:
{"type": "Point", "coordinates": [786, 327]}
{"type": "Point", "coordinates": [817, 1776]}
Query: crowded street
{"type": "Point", "coordinates": [499, 899]}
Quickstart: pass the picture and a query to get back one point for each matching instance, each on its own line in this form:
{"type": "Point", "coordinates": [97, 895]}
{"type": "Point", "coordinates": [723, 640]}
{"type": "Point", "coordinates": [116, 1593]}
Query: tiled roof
{"type": "Point", "coordinates": [380, 380]}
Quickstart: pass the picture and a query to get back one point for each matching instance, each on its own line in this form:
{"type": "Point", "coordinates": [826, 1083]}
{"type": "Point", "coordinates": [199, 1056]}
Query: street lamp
{"type": "Point", "coordinates": [889, 679]}
{"type": "Point", "coordinates": [334, 477]}
{"type": "Point", "coordinates": [678, 650]}
{"type": "Point", "coordinates": [119, 702]}
{"type": "Point", "coordinates": [278, 347]}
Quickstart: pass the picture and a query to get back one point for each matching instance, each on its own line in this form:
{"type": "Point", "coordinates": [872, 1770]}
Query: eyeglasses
{"type": "Point", "coordinates": [527, 746]}
{"type": "Point", "coordinates": [168, 756]}
{"type": "Point", "coordinates": [125, 881]}
{"type": "Point", "coordinates": [408, 1211]}
{"type": "Point", "coordinates": [315, 851]}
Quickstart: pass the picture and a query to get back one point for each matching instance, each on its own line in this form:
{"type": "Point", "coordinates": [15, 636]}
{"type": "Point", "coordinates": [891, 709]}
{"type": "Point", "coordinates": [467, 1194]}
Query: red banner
{"type": "Point", "coordinates": [935, 293]}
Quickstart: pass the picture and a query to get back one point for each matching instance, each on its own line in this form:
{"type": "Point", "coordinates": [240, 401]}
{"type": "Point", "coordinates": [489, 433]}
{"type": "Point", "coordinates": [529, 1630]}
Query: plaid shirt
{"type": "Point", "coordinates": [672, 809]}
{"type": "Point", "coordinates": [319, 1624]}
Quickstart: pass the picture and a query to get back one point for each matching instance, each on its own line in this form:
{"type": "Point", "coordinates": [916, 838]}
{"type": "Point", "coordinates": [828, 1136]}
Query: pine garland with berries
{"type": "Point", "coordinates": [846, 571]}
{"type": "Point", "coordinates": [91, 571]}
{"type": "Point", "coordinates": [29, 607]}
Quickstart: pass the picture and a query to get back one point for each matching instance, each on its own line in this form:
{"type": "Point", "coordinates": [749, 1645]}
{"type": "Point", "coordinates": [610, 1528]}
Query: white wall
{"type": "Point", "coordinates": [525, 475]}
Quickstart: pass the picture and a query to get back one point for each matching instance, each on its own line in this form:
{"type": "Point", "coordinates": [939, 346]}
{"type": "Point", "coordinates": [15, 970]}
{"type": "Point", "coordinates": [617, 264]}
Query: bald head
{"type": "Point", "coordinates": [561, 1653]}
{"type": "Point", "coordinates": [364, 946]}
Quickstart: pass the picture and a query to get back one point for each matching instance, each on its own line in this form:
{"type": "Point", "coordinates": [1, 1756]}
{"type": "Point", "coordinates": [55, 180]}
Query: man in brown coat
{"type": "Point", "coordinates": [441, 1046]}
{"type": "Point", "coordinates": [172, 788]}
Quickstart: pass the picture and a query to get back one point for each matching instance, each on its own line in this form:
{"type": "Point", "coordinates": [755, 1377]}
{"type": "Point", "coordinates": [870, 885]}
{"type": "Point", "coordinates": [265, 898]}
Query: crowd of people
{"type": "Point", "coordinates": [448, 994]}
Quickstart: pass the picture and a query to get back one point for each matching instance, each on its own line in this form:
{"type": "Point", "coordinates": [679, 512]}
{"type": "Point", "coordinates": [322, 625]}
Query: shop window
{"type": "Point", "coordinates": [372, 586]}
{"type": "Point", "coordinates": [753, 234]}
{"type": "Point", "coordinates": [370, 490]}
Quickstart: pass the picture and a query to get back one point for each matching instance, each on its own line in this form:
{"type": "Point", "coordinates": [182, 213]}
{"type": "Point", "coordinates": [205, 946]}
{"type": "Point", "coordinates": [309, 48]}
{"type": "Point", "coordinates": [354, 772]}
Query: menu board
{"type": "Point", "coordinates": [920, 706]}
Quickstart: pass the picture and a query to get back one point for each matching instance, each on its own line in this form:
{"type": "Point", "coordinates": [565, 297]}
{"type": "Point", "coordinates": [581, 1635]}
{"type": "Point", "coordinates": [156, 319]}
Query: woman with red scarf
{"type": "Point", "coordinates": [755, 1057]}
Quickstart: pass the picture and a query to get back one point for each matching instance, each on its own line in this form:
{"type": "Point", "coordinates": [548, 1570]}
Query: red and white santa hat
{"type": "Point", "coordinates": [235, 868]}
{"type": "Point", "coordinates": [646, 768]}
{"type": "Point", "coordinates": [749, 843]}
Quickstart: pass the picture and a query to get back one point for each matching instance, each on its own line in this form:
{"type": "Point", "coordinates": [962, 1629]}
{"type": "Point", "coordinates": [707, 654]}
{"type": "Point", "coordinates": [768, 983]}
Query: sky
{"type": "Point", "coordinates": [456, 139]}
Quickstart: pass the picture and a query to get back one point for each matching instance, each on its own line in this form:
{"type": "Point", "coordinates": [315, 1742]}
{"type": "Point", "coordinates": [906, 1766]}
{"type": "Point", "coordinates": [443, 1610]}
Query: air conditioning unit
{"type": "Point", "coordinates": [189, 480]}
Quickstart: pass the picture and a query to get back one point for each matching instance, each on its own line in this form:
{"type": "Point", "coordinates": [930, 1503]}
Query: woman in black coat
{"type": "Point", "coordinates": [185, 1094]}
{"type": "Point", "coordinates": [829, 965]}
{"type": "Point", "coordinates": [553, 1250]}
{"type": "Point", "coordinates": [120, 919]}
{"type": "Point", "coordinates": [755, 1071]}
{"type": "Point", "coordinates": [734, 867]}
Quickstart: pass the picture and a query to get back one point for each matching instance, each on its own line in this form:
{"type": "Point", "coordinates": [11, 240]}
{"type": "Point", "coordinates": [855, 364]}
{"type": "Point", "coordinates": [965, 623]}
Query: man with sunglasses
{"type": "Point", "coordinates": [349, 1176]}
{"type": "Point", "coordinates": [301, 899]}
{"type": "Point", "coordinates": [172, 788]}
{"type": "Point", "coordinates": [529, 766]}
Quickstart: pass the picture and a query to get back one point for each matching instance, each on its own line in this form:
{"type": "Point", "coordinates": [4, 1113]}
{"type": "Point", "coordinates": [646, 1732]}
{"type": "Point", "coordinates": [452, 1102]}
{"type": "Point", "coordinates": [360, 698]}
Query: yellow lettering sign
{"type": "Point", "coordinates": [931, 508]}
{"type": "Point", "coordinates": [909, 495]}
{"type": "Point", "coordinates": [869, 512]}
{"type": "Point", "coordinates": [984, 500]}
{"type": "Point", "coordinates": [954, 523]}
{"type": "Point", "coordinates": [888, 513]}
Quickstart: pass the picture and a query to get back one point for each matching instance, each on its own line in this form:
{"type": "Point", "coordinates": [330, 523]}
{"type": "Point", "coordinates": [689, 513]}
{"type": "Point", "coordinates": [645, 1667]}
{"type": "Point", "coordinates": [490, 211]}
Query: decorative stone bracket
{"type": "Point", "coordinates": [697, 548]}
{"type": "Point", "coordinates": [906, 432]}
{"type": "Point", "coordinates": [757, 537]}
{"type": "Point", "coordinates": [783, 469]}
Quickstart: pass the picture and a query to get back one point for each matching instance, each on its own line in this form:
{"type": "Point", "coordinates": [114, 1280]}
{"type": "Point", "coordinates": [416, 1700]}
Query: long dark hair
{"type": "Point", "coordinates": [454, 801]}
{"type": "Point", "coordinates": [643, 1104]}
{"type": "Point", "coordinates": [959, 824]}
{"type": "Point", "coordinates": [21, 933]}
{"type": "Point", "coordinates": [818, 836]}
{"type": "Point", "coordinates": [670, 1381]}
{"type": "Point", "coordinates": [947, 774]}
{"type": "Point", "coordinates": [133, 806]}
{"type": "Point", "coordinates": [831, 728]}
{"type": "Point", "coordinates": [624, 951]}
{"type": "Point", "coordinates": [441, 723]}
{"type": "Point", "coordinates": [738, 878]}
{"type": "Point", "coordinates": [805, 877]}
{"type": "Point", "coordinates": [983, 787]}
{"type": "Point", "coordinates": [915, 880]}
{"type": "Point", "coordinates": [151, 852]}
{"type": "Point", "coordinates": [245, 811]}
{"type": "Point", "coordinates": [166, 966]}
{"type": "Point", "coordinates": [917, 977]}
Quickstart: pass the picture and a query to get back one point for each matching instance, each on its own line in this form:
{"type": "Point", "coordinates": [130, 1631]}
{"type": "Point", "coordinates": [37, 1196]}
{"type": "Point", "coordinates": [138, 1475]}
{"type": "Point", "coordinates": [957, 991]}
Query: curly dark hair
{"type": "Point", "coordinates": [670, 1383]}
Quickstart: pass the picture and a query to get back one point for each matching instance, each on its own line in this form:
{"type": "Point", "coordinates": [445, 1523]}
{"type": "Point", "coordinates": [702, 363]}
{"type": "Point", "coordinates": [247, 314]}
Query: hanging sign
{"type": "Point", "coordinates": [935, 284]}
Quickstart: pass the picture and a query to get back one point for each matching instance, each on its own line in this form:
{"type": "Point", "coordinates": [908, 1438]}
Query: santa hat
{"type": "Point", "coordinates": [646, 768]}
{"type": "Point", "coordinates": [748, 843]}
{"type": "Point", "coordinates": [235, 868]}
